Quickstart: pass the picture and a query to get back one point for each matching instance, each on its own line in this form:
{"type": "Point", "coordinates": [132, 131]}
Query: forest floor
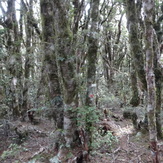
{"type": "Point", "coordinates": [130, 147]}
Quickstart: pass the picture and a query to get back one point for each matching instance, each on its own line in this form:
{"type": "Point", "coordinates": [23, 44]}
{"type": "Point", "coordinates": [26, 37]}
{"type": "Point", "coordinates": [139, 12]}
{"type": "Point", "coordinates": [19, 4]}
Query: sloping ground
{"type": "Point", "coordinates": [38, 142]}
{"type": "Point", "coordinates": [131, 147]}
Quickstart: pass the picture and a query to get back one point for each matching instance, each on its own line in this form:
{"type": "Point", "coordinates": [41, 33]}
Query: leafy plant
{"type": "Point", "coordinates": [13, 150]}
{"type": "Point", "coordinates": [87, 115]}
{"type": "Point", "coordinates": [103, 141]}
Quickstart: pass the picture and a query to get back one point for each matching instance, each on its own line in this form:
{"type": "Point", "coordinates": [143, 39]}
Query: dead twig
{"type": "Point", "coordinates": [42, 149]}
{"type": "Point", "coordinates": [117, 150]}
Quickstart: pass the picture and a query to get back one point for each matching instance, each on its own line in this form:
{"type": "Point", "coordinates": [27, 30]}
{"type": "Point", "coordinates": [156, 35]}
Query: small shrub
{"type": "Point", "coordinates": [103, 141]}
{"type": "Point", "coordinates": [12, 151]}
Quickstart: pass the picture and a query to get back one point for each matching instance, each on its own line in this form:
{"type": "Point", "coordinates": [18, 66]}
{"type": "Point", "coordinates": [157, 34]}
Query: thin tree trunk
{"type": "Point", "coordinates": [158, 81]}
{"type": "Point", "coordinates": [91, 71]}
{"type": "Point", "coordinates": [27, 66]}
{"type": "Point", "coordinates": [108, 61]}
{"type": "Point", "coordinates": [150, 77]}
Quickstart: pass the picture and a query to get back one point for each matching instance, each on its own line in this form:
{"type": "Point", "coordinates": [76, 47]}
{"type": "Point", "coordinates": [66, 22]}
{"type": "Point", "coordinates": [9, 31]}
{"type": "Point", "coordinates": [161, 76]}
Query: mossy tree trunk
{"type": "Point", "coordinates": [135, 44]}
{"type": "Point", "coordinates": [50, 69]}
{"type": "Point", "coordinates": [92, 52]}
{"type": "Point", "coordinates": [135, 100]}
{"type": "Point", "coordinates": [92, 60]}
{"type": "Point", "coordinates": [28, 13]}
{"type": "Point", "coordinates": [14, 60]}
{"type": "Point", "coordinates": [65, 60]}
{"type": "Point", "coordinates": [158, 81]}
{"type": "Point", "coordinates": [150, 77]}
{"type": "Point", "coordinates": [157, 68]}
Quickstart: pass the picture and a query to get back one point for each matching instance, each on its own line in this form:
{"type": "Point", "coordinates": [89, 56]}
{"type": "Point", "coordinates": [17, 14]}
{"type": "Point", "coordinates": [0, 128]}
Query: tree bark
{"type": "Point", "coordinates": [91, 70]}
{"type": "Point", "coordinates": [158, 33]}
{"type": "Point", "coordinates": [135, 100]}
{"type": "Point", "coordinates": [158, 81]}
{"type": "Point", "coordinates": [92, 53]}
{"type": "Point", "coordinates": [150, 77]}
{"type": "Point", "coordinates": [50, 69]}
{"type": "Point", "coordinates": [14, 65]}
{"type": "Point", "coordinates": [65, 60]}
{"type": "Point", "coordinates": [135, 45]}
{"type": "Point", "coordinates": [28, 58]}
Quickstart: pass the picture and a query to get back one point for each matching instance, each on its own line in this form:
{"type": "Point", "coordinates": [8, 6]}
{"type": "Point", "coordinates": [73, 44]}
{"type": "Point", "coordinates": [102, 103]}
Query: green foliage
{"type": "Point", "coordinates": [128, 108]}
{"type": "Point", "coordinates": [120, 1]}
{"type": "Point", "coordinates": [16, 161]}
{"type": "Point", "coordinates": [13, 150]}
{"type": "Point", "coordinates": [109, 100]}
{"type": "Point", "coordinates": [103, 141]}
{"type": "Point", "coordinates": [32, 161]}
{"type": "Point", "coordinates": [87, 115]}
{"type": "Point", "coordinates": [40, 109]}
{"type": "Point", "coordinates": [60, 58]}
{"type": "Point", "coordinates": [2, 31]}
{"type": "Point", "coordinates": [3, 110]}
{"type": "Point", "coordinates": [57, 101]}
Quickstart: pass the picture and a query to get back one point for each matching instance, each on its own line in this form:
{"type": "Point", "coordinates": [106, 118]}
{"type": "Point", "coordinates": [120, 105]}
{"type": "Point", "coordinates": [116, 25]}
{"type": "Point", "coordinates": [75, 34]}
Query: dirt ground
{"type": "Point", "coordinates": [131, 146]}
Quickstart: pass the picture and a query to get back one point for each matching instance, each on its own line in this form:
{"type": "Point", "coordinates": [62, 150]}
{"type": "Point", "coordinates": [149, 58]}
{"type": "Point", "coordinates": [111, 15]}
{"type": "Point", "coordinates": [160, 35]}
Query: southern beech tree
{"type": "Point", "coordinates": [150, 77]}
{"type": "Point", "coordinates": [55, 54]}
{"type": "Point", "coordinates": [158, 83]}
{"type": "Point", "coordinates": [65, 58]}
{"type": "Point", "coordinates": [12, 41]}
{"type": "Point", "coordinates": [158, 34]}
{"type": "Point", "coordinates": [92, 61]}
{"type": "Point", "coordinates": [135, 50]}
{"type": "Point", "coordinates": [59, 68]}
{"type": "Point", "coordinates": [49, 75]}
{"type": "Point", "coordinates": [18, 40]}
{"type": "Point", "coordinates": [112, 46]}
{"type": "Point", "coordinates": [26, 15]}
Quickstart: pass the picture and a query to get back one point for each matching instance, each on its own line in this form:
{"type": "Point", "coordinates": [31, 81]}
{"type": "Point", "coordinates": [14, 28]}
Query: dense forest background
{"type": "Point", "coordinates": [75, 65]}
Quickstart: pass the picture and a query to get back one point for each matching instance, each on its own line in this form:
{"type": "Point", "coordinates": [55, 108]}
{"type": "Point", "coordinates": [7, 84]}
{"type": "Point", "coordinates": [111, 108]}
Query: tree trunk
{"type": "Point", "coordinates": [158, 81]}
{"type": "Point", "coordinates": [150, 77]}
{"type": "Point", "coordinates": [92, 53]}
{"type": "Point", "coordinates": [135, 100]}
{"type": "Point", "coordinates": [135, 45]}
{"type": "Point", "coordinates": [157, 68]}
{"type": "Point", "coordinates": [91, 71]}
{"type": "Point", "coordinates": [65, 58]}
{"type": "Point", "coordinates": [28, 57]}
{"type": "Point", "coordinates": [50, 69]}
{"type": "Point", "coordinates": [14, 65]}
